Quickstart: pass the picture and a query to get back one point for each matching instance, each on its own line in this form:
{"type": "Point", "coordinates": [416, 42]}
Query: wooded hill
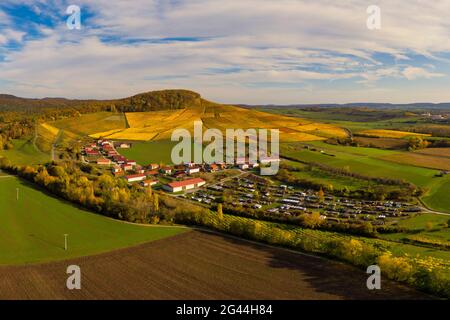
{"type": "Point", "coordinates": [149, 101]}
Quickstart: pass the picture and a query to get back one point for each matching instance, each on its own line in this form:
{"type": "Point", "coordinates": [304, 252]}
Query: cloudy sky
{"type": "Point", "coordinates": [234, 51]}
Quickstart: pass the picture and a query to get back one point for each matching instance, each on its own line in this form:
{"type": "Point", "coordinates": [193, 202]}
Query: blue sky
{"type": "Point", "coordinates": [247, 51]}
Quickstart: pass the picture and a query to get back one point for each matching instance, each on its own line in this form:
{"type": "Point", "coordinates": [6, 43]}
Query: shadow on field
{"type": "Point", "coordinates": [327, 276]}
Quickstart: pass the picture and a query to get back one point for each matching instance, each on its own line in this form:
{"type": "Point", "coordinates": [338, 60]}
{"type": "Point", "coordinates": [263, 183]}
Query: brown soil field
{"type": "Point", "coordinates": [420, 160]}
{"type": "Point", "coordinates": [383, 143]}
{"type": "Point", "coordinates": [197, 265]}
{"type": "Point", "coordinates": [440, 152]}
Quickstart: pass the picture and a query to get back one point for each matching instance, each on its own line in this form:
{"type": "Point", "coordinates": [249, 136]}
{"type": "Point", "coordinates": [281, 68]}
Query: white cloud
{"type": "Point", "coordinates": [413, 73]}
{"type": "Point", "coordinates": [290, 45]}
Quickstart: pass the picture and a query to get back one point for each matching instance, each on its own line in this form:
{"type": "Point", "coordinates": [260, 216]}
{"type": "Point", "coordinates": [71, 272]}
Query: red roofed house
{"type": "Point", "coordinates": [132, 162]}
{"type": "Point", "coordinates": [136, 178]}
{"type": "Point", "coordinates": [127, 167]}
{"type": "Point", "coordinates": [179, 186]}
{"type": "Point", "coordinates": [151, 173]}
{"type": "Point", "coordinates": [103, 162]}
{"type": "Point", "coordinates": [92, 153]}
{"type": "Point", "coordinates": [166, 170]}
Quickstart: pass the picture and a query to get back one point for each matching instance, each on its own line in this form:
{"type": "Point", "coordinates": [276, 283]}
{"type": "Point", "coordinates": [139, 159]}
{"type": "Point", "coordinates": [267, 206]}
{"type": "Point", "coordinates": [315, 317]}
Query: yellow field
{"type": "Point", "coordinates": [46, 135]}
{"type": "Point", "coordinates": [379, 133]}
{"type": "Point", "coordinates": [159, 125]}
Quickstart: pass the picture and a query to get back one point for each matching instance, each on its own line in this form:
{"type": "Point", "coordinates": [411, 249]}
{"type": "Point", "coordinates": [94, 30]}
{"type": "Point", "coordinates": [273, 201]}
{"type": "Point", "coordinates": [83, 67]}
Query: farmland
{"type": "Point", "coordinates": [158, 125]}
{"type": "Point", "coordinates": [24, 152]}
{"type": "Point", "coordinates": [33, 228]}
{"type": "Point", "coordinates": [389, 134]}
{"type": "Point", "coordinates": [198, 265]}
{"type": "Point", "coordinates": [87, 124]}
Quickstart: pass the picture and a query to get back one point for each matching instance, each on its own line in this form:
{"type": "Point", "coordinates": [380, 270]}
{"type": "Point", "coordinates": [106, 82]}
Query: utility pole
{"type": "Point", "coordinates": [65, 241]}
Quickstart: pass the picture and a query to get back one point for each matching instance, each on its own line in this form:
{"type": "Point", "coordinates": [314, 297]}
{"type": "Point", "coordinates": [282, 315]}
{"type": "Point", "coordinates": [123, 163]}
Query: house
{"type": "Point", "coordinates": [135, 178]}
{"type": "Point", "coordinates": [116, 169]}
{"type": "Point", "coordinates": [166, 170]}
{"type": "Point", "coordinates": [179, 174]}
{"type": "Point", "coordinates": [179, 186]}
{"type": "Point", "coordinates": [153, 166]}
{"type": "Point", "coordinates": [103, 162]}
{"type": "Point", "coordinates": [149, 183]}
{"type": "Point", "coordinates": [112, 153]}
{"type": "Point", "coordinates": [253, 165]}
{"type": "Point", "coordinates": [119, 159]}
{"type": "Point", "coordinates": [213, 167]}
{"type": "Point", "coordinates": [268, 160]}
{"type": "Point", "coordinates": [151, 173]}
{"type": "Point", "coordinates": [123, 145]}
{"type": "Point", "coordinates": [193, 170]}
{"type": "Point", "coordinates": [92, 153]}
{"type": "Point", "coordinates": [131, 162]}
{"type": "Point", "coordinates": [127, 167]}
{"type": "Point", "coordinates": [243, 166]}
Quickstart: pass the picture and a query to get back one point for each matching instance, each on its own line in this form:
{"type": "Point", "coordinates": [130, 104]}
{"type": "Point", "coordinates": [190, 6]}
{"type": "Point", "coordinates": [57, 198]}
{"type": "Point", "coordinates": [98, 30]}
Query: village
{"type": "Point", "coordinates": [246, 191]}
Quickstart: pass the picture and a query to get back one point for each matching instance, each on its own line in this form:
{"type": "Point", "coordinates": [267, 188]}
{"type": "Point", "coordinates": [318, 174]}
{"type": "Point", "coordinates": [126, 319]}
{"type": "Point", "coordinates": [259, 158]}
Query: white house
{"type": "Point", "coordinates": [179, 186]}
{"type": "Point", "coordinates": [136, 178]}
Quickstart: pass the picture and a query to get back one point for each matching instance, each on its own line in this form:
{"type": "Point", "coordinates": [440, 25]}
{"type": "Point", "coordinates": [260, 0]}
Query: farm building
{"type": "Point", "coordinates": [136, 178]}
{"type": "Point", "coordinates": [179, 186]}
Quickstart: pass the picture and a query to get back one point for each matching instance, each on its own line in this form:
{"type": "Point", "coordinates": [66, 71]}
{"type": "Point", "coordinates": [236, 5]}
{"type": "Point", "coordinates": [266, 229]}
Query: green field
{"type": "Point", "coordinates": [418, 227]}
{"type": "Point", "coordinates": [32, 229]}
{"type": "Point", "coordinates": [25, 153]}
{"type": "Point", "coordinates": [151, 152]}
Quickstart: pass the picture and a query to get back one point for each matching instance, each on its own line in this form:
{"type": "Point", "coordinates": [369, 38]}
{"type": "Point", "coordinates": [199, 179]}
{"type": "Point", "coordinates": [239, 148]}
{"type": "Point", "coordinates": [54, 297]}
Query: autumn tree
{"type": "Point", "coordinates": [220, 211]}
{"type": "Point", "coordinates": [321, 195]}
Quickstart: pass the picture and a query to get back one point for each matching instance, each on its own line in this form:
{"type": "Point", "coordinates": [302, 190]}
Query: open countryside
{"type": "Point", "coordinates": [348, 190]}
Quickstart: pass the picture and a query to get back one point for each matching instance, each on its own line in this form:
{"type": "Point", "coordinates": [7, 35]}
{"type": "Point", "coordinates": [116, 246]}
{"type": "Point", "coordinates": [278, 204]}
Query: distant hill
{"type": "Point", "coordinates": [407, 106]}
{"type": "Point", "coordinates": [149, 101]}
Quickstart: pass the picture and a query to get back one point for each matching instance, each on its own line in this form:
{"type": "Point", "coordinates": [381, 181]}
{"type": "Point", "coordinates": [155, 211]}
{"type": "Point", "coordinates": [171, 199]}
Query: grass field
{"type": "Point", "coordinates": [32, 229]}
{"type": "Point", "coordinates": [418, 226]}
{"type": "Point", "coordinates": [420, 160]}
{"type": "Point", "coordinates": [25, 153]}
{"type": "Point", "coordinates": [152, 152]}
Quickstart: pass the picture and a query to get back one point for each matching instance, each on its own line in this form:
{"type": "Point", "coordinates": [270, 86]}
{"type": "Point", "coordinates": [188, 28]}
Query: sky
{"type": "Point", "coordinates": [234, 51]}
